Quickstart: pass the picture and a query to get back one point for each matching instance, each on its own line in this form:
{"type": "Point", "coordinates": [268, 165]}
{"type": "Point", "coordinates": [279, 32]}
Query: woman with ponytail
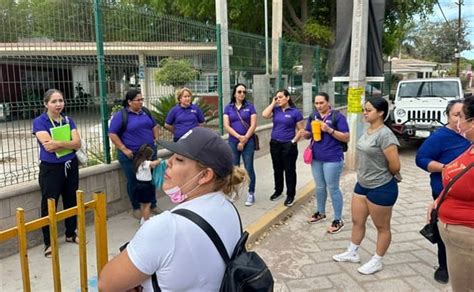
{"type": "Point", "coordinates": [376, 190]}
{"type": "Point", "coordinates": [200, 177]}
{"type": "Point", "coordinates": [58, 138]}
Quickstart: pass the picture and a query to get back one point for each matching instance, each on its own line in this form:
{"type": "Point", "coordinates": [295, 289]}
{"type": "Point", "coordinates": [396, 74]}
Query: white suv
{"type": "Point", "coordinates": [419, 105]}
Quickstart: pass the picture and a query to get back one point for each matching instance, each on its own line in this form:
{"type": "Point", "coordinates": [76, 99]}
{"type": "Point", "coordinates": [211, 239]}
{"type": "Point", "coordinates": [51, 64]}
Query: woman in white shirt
{"type": "Point", "coordinates": [199, 177]}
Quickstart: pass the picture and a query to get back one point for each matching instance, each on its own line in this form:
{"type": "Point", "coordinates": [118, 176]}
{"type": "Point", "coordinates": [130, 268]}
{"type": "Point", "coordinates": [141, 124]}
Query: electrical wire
{"type": "Point", "coordinates": [442, 12]}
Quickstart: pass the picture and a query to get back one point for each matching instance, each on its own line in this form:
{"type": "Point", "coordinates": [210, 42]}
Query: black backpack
{"type": "Point", "coordinates": [124, 113]}
{"type": "Point", "coordinates": [245, 270]}
{"type": "Point", "coordinates": [334, 123]}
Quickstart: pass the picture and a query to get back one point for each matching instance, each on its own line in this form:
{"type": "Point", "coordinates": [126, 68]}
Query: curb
{"type": "Point", "coordinates": [274, 215]}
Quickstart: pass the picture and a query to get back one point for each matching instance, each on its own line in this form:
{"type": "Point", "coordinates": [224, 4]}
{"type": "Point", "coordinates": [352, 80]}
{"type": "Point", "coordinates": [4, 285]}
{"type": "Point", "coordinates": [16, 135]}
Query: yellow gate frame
{"type": "Point", "coordinates": [98, 205]}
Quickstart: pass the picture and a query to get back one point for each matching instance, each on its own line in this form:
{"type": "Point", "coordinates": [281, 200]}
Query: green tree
{"type": "Point", "coordinates": [175, 72]}
{"type": "Point", "coordinates": [398, 19]}
{"type": "Point", "coordinates": [436, 41]}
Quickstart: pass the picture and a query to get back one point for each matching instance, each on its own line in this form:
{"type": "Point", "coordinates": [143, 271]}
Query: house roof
{"type": "Point", "coordinates": [49, 48]}
{"type": "Point", "coordinates": [411, 65]}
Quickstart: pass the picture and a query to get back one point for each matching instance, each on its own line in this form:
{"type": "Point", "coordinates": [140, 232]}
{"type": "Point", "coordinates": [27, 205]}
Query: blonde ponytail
{"type": "Point", "coordinates": [229, 185]}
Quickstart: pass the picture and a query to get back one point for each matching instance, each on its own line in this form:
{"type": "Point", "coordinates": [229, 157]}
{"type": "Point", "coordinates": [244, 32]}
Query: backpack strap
{"type": "Point", "coordinates": [334, 119]}
{"type": "Point", "coordinates": [208, 229]}
{"type": "Point", "coordinates": [238, 215]}
{"type": "Point", "coordinates": [124, 113]}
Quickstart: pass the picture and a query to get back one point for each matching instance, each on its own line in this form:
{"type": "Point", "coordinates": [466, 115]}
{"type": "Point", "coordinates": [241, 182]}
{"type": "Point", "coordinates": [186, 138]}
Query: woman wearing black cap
{"type": "Point", "coordinates": [199, 177]}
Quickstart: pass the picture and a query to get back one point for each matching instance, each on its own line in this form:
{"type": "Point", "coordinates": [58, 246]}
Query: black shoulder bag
{"type": "Point", "coordinates": [430, 230]}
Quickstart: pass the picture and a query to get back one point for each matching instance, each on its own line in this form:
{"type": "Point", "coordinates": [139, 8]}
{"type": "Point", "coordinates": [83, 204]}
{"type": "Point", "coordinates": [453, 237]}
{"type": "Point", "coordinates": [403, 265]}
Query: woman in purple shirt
{"type": "Point", "coordinates": [140, 128]}
{"type": "Point", "coordinates": [240, 121]}
{"type": "Point", "coordinates": [184, 116]}
{"type": "Point", "coordinates": [59, 169]}
{"type": "Point", "coordinates": [283, 145]}
{"type": "Point", "coordinates": [328, 159]}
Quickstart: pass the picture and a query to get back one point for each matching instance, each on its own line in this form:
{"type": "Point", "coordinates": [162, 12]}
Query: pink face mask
{"type": "Point", "coordinates": [176, 194]}
{"type": "Point", "coordinates": [460, 130]}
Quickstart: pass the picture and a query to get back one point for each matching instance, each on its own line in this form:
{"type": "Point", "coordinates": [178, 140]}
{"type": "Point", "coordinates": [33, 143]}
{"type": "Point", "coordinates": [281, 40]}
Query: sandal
{"type": "Point", "coordinates": [47, 251]}
{"type": "Point", "coordinates": [73, 239]}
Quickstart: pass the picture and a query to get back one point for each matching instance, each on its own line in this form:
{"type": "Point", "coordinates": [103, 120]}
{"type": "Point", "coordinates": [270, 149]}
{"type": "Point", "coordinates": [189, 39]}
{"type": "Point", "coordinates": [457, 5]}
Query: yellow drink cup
{"type": "Point", "coordinates": [316, 129]}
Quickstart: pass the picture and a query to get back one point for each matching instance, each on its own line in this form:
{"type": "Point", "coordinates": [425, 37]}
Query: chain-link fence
{"type": "Point", "coordinates": [52, 44]}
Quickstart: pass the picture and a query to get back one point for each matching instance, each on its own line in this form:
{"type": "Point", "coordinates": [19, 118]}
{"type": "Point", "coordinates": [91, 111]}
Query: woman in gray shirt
{"type": "Point", "coordinates": [376, 189]}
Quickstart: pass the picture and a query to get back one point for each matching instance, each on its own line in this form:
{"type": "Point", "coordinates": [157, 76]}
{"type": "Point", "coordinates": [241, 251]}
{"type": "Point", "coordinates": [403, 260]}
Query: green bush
{"type": "Point", "coordinates": [162, 107]}
{"type": "Point", "coordinates": [175, 72]}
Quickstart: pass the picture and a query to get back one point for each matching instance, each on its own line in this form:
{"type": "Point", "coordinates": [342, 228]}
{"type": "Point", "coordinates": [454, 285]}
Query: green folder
{"type": "Point", "coordinates": [62, 133]}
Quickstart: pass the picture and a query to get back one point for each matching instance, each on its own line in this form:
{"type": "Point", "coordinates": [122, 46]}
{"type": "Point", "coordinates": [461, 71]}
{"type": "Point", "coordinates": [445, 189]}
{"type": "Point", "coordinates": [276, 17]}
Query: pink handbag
{"type": "Point", "coordinates": [308, 153]}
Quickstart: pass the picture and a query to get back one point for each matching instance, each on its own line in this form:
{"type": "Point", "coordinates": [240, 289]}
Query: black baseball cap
{"type": "Point", "coordinates": [206, 146]}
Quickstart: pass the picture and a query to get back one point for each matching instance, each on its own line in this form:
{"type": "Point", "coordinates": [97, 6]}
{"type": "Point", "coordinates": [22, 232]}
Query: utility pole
{"type": "Point", "coordinates": [357, 76]}
{"type": "Point", "coordinates": [458, 52]}
{"type": "Point", "coordinates": [277, 28]}
{"type": "Point", "coordinates": [221, 18]}
{"type": "Point", "coordinates": [265, 4]}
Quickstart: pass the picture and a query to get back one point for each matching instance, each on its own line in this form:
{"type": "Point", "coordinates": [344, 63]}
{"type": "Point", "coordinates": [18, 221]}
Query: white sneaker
{"type": "Point", "coordinates": [371, 267]}
{"type": "Point", "coordinates": [348, 256]}
{"type": "Point", "coordinates": [250, 199]}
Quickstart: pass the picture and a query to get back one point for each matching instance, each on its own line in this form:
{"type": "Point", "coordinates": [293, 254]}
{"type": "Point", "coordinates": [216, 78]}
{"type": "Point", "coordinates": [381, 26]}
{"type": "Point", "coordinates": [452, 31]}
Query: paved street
{"type": "Point", "coordinates": [299, 254]}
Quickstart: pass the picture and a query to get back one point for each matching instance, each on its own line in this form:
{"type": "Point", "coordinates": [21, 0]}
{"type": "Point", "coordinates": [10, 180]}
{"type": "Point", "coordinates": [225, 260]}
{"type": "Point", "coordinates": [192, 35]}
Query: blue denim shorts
{"type": "Point", "coordinates": [385, 195]}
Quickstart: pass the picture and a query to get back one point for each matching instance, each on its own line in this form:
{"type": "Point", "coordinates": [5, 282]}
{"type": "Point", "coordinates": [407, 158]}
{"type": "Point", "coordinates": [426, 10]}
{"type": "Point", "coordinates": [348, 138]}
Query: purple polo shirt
{"type": "Point", "coordinates": [184, 119]}
{"type": "Point", "coordinates": [329, 149]}
{"type": "Point", "coordinates": [43, 123]}
{"type": "Point", "coordinates": [246, 111]}
{"type": "Point", "coordinates": [284, 123]}
{"type": "Point", "coordinates": [139, 129]}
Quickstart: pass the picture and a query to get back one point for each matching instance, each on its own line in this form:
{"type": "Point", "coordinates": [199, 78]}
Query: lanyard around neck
{"type": "Point", "coordinates": [52, 122]}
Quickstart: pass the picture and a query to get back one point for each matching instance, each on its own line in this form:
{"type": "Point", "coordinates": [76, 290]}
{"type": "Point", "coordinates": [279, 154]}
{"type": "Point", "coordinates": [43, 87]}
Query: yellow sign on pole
{"type": "Point", "coordinates": [354, 99]}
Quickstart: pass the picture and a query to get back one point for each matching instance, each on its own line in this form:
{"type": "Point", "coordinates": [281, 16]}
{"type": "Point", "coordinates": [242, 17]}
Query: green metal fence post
{"type": "Point", "coordinates": [219, 79]}
{"type": "Point", "coordinates": [318, 67]}
{"type": "Point", "coordinates": [280, 63]}
{"type": "Point", "coordinates": [102, 80]}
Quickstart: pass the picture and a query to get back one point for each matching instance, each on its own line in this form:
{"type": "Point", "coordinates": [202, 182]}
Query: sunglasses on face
{"type": "Point", "coordinates": [242, 92]}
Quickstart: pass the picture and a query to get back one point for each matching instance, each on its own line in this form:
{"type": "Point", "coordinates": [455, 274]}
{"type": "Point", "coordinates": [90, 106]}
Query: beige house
{"type": "Point", "coordinates": [412, 68]}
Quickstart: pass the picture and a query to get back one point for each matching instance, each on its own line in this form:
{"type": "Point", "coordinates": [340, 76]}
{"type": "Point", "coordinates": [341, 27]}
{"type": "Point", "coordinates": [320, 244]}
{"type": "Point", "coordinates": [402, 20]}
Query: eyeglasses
{"type": "Point", "coordinates": [242, 92]}
{"type": "Point", "coordinates": [138, 99]}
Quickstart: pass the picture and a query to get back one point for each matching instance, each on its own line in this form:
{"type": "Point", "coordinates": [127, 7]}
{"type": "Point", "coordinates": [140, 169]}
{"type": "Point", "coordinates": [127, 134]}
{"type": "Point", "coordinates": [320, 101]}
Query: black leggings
{"type": "Point", "coordinates": [284, 155]}
{"type": "Point", "coordinates": [56, 179]}
{"type": "Point", "coordinates": [442, 260]}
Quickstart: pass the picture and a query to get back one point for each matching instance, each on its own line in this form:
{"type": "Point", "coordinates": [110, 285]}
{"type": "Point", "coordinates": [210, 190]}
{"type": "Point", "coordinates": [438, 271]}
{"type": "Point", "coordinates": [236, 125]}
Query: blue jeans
{"type": "Point", "coordinates": [327, 176]}
{"type": "Point", "coordinates": [247, 156]}
{"type": "Point", "coordinates": [130, 175]}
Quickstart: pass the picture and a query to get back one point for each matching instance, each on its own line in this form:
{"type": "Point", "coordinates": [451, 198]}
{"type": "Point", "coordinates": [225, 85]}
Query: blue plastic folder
{"type": "Point", "coordinates": [159, 174]}
{"type": "Point", "coordinates": [62, 133]}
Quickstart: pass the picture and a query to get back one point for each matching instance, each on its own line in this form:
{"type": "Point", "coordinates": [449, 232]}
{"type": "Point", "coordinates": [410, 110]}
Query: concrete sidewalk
{"type": "Point", "coordinates": [122, 227]}
{"type": "Point", "coordinates": [300, 254]}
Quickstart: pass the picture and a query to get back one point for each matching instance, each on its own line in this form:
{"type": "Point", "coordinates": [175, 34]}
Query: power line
{"type": "Point", "coordinates": [442, 12]}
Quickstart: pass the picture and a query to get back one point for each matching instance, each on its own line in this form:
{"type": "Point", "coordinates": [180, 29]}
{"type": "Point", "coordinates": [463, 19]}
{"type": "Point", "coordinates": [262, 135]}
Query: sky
{"type": "Point", "coordinates": [450, 9]}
